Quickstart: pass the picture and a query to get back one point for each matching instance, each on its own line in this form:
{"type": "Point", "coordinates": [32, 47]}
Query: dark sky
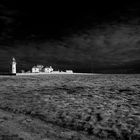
{"type": "Point", "coordinates": [85, 37]}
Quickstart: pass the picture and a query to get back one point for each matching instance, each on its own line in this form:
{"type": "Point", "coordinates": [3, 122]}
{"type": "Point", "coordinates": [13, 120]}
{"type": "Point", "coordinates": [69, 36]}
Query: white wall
{"type": "Point", "coordinates": [34, 70]}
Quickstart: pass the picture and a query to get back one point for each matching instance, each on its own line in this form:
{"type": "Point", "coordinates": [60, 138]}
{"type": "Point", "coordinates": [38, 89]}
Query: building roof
{"type": "Point", "coordinates": [40, 66]}
{"type": "Point", "coordinates": [48, 67]}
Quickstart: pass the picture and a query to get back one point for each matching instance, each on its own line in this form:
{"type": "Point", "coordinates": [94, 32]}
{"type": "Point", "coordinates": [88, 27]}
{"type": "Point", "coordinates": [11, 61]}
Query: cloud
{"type": "Point", "coordinates": [7, 22]}
{"type": "Point", "coordinates": [112, 47]}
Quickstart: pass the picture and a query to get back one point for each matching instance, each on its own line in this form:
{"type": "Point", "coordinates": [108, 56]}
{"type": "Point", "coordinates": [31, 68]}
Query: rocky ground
{"type": "Point", "coordinates": [67, 107]}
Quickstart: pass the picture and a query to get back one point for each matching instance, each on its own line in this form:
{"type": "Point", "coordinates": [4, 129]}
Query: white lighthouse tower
{"type": "Point", "coordinates": [14, 65]}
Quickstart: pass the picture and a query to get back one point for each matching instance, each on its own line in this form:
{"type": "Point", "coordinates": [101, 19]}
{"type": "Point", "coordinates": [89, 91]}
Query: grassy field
{"type": "Point", "coordinates": [70, 107]}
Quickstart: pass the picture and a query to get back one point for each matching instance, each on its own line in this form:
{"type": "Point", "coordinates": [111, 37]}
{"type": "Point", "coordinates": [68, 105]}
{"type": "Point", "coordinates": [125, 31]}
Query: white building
{"type": "Point", "coordinates": [69, 71]}
{"type": "Point", "coordinates": [35, 69]}
{"type": "Point", "coordinates": [48, 69]}
{"type": "Point", "coordinates": [41, 68]}
{"type": "Point", "coordinates": [38, 68]}
{"type": "Point", "coordinates": [14, 65]}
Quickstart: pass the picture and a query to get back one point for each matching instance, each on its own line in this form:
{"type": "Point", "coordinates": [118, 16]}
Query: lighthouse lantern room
{"type": "Point", "coordinates": [14, 65]}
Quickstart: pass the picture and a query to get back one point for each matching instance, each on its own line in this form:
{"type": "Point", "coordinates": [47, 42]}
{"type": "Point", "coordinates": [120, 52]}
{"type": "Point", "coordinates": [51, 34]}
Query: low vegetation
{"type": "Point", "coordinates": [78, 107]}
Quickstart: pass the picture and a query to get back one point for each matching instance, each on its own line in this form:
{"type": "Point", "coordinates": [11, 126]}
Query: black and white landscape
{"type": "Point", "coordinates": [100, 38]}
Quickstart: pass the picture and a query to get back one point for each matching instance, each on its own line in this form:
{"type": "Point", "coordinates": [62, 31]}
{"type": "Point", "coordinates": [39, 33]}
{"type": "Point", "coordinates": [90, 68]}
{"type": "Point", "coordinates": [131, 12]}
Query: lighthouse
{"type": "Point", "coordinates": [14, 65]}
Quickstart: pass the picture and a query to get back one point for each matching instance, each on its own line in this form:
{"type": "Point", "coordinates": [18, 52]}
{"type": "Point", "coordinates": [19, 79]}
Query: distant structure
{"type": "Point", "coordinates": [48, 69]}
{"type": "Point", "coordinates": [41, 68]}
{"type": "Point", "coordinates": [69, 71]}
{"type": "Point", "coordinates": [37, 69]}
{"type": "Point", "coordinates": [14, 66]}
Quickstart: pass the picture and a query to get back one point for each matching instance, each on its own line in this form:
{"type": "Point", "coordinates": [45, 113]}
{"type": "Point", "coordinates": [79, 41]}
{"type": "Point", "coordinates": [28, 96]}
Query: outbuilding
{"type": "Point", "coordinates": [35, 69]}
{"type": "Point", "coordinates": [69, 71]}
{"type": "Point", "coordinates": [48, 69]}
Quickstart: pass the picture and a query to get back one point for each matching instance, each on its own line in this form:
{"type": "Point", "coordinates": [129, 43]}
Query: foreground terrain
{"type": "Point", "coordinates": [70, 107]}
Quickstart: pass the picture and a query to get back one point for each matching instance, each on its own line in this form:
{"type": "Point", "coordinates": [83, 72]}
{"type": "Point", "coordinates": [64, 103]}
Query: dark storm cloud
{"type": "Point", "coordinates": [111, 47]}
{"type": "Point", "coordinates": [86, 40]}
{"type": "Point", "coordinates": [7, 22]}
